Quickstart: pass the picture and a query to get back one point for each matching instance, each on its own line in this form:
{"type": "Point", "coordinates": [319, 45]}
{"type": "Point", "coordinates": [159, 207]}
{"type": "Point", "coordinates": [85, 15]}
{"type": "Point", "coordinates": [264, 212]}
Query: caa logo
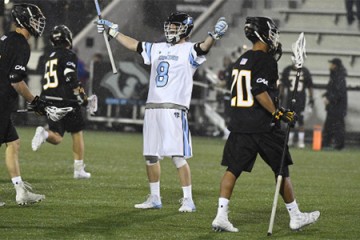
{"type": "Point", "coordinates": [71, 64]}
{"type": "Point", "coordinates": [262, 80]}
{"type": "Point", "coordinates": [19, 67]}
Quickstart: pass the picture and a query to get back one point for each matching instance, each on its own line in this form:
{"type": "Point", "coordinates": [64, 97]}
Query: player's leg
{"type": "Point", "coordinates": [176, 143]}
{"type": "Point", "coordinates": [23, 191]}
{"type": "Point", "coordinates": [78, 155]}
{"type": "Point", "coordinates": [150, 151]}
{"type": "Point", "coordinates": [301, 131]}
{"type": "Point", "coordinates": [272, 145]}
{"type": "Point", "coordinates": [187, 203]}
{"type": "Point", "coordinates": [53, 135]}
{"type": "Point", "coordinates": [237, 159]}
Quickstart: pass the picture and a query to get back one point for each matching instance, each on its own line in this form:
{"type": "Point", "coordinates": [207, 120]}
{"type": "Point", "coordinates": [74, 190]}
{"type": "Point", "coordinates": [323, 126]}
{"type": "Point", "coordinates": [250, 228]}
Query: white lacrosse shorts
{"type": "Point", "coordinates": [166, 133]}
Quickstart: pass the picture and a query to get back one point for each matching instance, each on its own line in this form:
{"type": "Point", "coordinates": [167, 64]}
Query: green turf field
{"type": "Point", "coordinates": [102, 207]}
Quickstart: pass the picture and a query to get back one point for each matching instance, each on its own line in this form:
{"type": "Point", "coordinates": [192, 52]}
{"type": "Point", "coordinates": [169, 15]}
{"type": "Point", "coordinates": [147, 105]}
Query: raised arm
{"type": "Point", "coordinates": [113, 31]}
{"type": "Point", "coordinates": [219, 30]}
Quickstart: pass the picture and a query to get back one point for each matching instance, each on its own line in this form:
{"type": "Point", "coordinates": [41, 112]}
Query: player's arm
{"type": "Point", "coordinates": [266, 102]}
{"type": "Point", "coordinates": [113, 31]}
{"type": "Point", "coordinates": [22, 88]}
{"type": "Point", "coordinates": [219, 30]}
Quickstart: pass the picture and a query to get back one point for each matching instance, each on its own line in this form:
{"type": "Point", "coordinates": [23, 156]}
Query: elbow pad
{"type": "Point", "coordinates": [71, 78]}
{"type": "Point", "coordinates": [198, 49]}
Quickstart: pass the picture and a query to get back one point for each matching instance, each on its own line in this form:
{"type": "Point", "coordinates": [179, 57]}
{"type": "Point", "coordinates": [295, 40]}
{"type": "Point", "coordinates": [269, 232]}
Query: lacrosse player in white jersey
{"type": "Point", "coordinates": [166, 130]}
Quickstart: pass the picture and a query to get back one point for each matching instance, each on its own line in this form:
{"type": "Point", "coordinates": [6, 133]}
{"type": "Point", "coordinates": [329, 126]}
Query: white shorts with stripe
{"type": "Point", "coordinates": [166, 133]}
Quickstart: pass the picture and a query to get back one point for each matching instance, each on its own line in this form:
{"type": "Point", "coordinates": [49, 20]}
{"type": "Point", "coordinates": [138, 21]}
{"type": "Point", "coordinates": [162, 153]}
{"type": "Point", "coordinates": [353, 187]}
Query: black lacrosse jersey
{"type": "Point", "coordinates": [58, 64]}
{"type": "Point", "coordinates": [253, 73]}
{"type": "Point", "coordinates": [14, 56]}
{"type": "Point", "coordinates": [288, 78]}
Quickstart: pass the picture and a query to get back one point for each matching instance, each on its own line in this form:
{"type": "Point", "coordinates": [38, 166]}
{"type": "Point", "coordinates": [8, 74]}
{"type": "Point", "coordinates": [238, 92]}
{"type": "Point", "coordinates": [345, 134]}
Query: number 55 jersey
{"type": "Point", "coordinates": [253, 73]}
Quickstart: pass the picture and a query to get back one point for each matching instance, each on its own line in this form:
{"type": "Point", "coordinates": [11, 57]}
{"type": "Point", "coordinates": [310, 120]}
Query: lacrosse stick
{"type": "Point", "coordinates": [52, 112]}
{"type": "Point", "coordinates": [91, 107]}
{"type": "Point", "coordinates": [299, 55]}
{"type": "Point", "coordinates": [106, 39]}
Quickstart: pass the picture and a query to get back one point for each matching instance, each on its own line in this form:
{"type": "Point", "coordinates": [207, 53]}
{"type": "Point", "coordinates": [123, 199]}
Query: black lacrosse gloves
{"type": "Point", "coordinates": [285, 115]}
{"type": "Point", "coordinates": [81, 96]}
{"type": "Point", "coordinates": [38, 105]}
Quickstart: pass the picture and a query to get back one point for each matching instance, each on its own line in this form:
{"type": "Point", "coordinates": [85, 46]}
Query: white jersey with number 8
{"type": "Point", "coordinates": [172, 70]}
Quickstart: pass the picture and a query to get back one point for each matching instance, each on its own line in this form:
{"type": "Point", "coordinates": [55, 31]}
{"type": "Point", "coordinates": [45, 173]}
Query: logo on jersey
{"type": "Point", "coordinates": [169, 57]}
{"type": "Point", "coordinates": [19, 67]}
{"type": "Point", "coordinates": [262, 80]}
{"type": "Point", "coordinates": [177, 114]}
{"type": "Point", "coordinates": [243, 61]}
{"type": "Point", "coordinates": [71, 64]}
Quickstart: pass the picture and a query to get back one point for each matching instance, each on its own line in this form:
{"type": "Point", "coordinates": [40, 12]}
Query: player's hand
{"type": "Point", "coordinates": [220, 28]}
{"type": "Point", "coordinates": [81, 96]}
{"type": "Point", "coordinates": [285, 115]}
{"type": "Point", "coordinates": [38, 105]}
{"type": "Point", "coordinates": [112, 28]}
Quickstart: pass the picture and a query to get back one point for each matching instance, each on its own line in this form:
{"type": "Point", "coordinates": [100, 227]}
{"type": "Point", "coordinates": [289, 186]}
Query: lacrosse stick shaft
{"type": "Point", "coordinates": [280, 177]}
{"type": "Point", "coordinates": [60, 99]}
{"type": "Point", "coordinates": [113, 66]}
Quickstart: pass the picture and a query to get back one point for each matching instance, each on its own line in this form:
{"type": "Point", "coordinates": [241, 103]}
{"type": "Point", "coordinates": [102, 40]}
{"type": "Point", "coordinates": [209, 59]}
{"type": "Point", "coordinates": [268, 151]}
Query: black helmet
{"type": "Point", "coordinates": [184, 25]}
{"type": "Point", "coordinates": [265, 30]}
{"type": "Point", "coordinates": [61, 36]}
{"type": "Point", "coordinates": [30, 17]}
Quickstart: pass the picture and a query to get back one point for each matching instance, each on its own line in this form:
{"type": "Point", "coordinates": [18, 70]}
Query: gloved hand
{"type": "Point", "coordinates": [311, 102]}
{"type": "Point", "coordinates": [81, 96]}
{"type": "Point", "coordinates": [112, 28]}
{"type": "Point", "coordinates": [285, 115]}
{"type": "Point", "coordinates": [38, 105]}
{"type": "Point", "coordinates": [220, 28]}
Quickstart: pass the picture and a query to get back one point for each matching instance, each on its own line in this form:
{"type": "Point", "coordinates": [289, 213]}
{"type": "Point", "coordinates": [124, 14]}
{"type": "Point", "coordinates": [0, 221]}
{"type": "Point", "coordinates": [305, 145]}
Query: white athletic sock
{"type": "Point", "coordinates": [46, 134]}
{"type": "Point", "coordinates": [16, 180]}
{"type": "Point", "coordinates": [187, 192]}
{"type": "Point", "coordinates": [223, 205]}
{"type": "Point", "coordinates": [301, 136]}
{"type": "Point", "coordinates": [78, 162]}
{"type": "Point", "coordinates": [155, 188]}
{"type": "Point", "coordinates": [292, 208]}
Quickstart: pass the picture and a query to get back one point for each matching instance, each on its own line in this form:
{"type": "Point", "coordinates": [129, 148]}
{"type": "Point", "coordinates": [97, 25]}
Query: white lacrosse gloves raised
{"type": "Point", "coordinates": [112, 28]}
{"type": "Point", "coordinates": [220, 28]}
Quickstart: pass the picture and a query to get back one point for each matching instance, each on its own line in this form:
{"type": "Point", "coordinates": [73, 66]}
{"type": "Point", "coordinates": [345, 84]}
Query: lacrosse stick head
{"type": "Point", "coordinates": [299, 51]}
{"type": "Point", "coordinates": [92, 106]}
{"type": "Point", "coordinates": [56, 114]}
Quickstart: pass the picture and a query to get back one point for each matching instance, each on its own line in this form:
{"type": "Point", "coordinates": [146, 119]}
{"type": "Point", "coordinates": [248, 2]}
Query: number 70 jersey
{"type": "Point", "coordinates": [172, 70]}
{"type": "Point", "coordinates": [253, 73]}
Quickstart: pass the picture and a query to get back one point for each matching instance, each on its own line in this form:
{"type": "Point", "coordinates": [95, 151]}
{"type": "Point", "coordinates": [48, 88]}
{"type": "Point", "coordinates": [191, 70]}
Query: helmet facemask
{"type": "Point", "coordinates": [37, 25]}
{"type": "Point", "coordinates": [174, 31]}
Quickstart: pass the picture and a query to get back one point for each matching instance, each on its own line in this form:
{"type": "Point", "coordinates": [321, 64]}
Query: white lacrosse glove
{"type": "Point", "coordinates": [92, 106]}
{"type": "Point", "coordinates": [112, 28]}
{"type": "Point", "coordinates": [220, 28]}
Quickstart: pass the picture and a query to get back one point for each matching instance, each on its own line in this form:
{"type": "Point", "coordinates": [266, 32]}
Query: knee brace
{"type": "Point", "coordinates": [179, 161]}
{"type": "Point", "coordinates": [151, 160]}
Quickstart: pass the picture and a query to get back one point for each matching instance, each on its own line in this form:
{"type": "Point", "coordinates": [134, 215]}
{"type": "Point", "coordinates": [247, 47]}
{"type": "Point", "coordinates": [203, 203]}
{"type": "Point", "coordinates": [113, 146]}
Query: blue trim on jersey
{"type": "Point", "coordinates": [186, 135]}
{"type": "Point", "coordinates": [148, 49]}
{"type": "Point", "coordinates": [192, 61]}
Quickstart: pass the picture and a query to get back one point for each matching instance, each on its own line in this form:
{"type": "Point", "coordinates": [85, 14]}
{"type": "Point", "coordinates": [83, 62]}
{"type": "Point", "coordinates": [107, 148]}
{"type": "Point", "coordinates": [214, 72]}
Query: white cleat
{"type": "Point", "coordinates": [222, 224]}
{"type": "Point", "coordinates": [24, 195]}
{"type": "Point", "coordinates": [187, 205]}
{"type": "Point", "coordinates": [80, 173]}
{"type": "Point", "coordinates": [152, 201]}
{"type": "Point", "coordinates": [303, 219]}
{"type": "Point", "coordinates": [301, 145]}
{"type": "Point", "coordinates": [38, 139]}
{"type": "Point", "coordinates": [2, 204]}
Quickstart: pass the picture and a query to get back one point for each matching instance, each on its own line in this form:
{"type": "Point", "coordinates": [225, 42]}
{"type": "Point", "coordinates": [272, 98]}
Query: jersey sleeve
{"type": "Point", "coordinates": [21, 55]}
{"type": "Point", "coordinates": [70, 70]}
{"type": "Point", "coordinates": [261, 77]}
{"type": "Point", "coordinates": [195, 59]}
{"type": "Point", "coordinates": [145, 52]}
